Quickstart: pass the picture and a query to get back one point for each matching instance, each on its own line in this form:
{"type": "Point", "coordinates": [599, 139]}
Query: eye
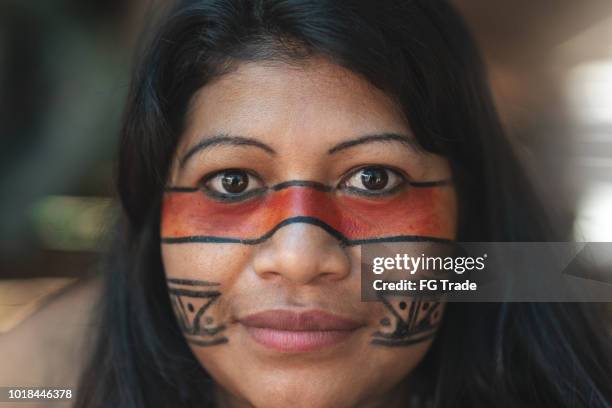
{"type": "Point", "coordinates": [373, 180]}
{"type": "Point", "coordinates": [231, 184]}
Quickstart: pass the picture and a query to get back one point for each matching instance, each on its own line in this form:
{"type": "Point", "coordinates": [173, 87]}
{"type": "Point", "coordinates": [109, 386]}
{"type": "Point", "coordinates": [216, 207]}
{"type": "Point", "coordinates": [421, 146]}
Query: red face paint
{"type": "Point", "coordinates": [415, 213]}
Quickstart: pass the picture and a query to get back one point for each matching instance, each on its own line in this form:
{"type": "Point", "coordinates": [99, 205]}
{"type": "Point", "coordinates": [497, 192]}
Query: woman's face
{"type": "Point", "coordinates": [282, 174]}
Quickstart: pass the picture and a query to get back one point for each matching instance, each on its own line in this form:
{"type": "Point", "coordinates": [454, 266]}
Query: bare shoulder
{"type": "Point", "coordinates": [45, 329]}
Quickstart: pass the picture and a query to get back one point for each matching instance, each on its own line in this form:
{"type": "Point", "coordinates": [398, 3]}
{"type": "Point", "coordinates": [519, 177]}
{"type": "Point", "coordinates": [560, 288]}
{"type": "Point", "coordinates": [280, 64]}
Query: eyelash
{"type": "Point", "coordinates": [229, 197]}
{"type": "Point", "coordinates": [403, 182]}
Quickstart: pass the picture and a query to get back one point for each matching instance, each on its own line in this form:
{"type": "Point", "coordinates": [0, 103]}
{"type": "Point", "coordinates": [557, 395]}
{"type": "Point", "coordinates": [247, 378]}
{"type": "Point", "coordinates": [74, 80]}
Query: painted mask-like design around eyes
{"type": "Point", "coordinates": [419, 211]}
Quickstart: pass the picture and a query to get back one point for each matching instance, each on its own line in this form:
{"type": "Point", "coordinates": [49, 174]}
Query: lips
{"type": "Point", "coordinates": [288, 331]}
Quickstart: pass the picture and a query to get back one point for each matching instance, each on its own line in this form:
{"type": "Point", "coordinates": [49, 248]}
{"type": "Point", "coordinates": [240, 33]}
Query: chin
{"type": "Point", "coordinates": [313, 386]}
{"type": "Point", "coordinates": [302, 396]}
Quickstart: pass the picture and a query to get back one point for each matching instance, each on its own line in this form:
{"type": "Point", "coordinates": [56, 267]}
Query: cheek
{"type": "Point", "coordinates": [198, 277]}
{"type": "Point", "coordinates": [218, 263]}
{"type": "Point", "coordinates": [394, 365]}
{"type": "Point", "coordinates": [425, 212]}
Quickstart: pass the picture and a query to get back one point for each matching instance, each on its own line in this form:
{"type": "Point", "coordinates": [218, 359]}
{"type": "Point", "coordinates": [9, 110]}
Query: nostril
{"type": "Point", "coordinates": [330, 276]}
{"type": "Point", "coordinates": [270, 275]}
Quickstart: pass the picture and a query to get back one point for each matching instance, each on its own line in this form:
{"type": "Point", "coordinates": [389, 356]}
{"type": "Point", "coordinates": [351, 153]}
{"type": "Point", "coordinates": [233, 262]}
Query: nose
{"type": "Point", "coordinates": [302, 254]}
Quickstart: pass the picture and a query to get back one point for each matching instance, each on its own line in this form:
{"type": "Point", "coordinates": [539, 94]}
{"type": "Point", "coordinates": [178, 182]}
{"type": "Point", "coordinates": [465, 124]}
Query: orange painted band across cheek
{"type": "Point", "coordinates": [414, 214]}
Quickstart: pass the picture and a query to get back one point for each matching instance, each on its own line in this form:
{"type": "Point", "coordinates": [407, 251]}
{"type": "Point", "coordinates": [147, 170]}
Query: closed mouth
{"type": "Point", "coordinates": [289, 331]}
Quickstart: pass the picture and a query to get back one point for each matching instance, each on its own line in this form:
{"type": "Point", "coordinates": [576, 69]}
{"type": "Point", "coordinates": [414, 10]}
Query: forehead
{"type": "Point", "coordinates": [314, 101]}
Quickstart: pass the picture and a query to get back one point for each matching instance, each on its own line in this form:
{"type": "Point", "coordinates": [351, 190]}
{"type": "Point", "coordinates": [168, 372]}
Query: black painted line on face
{"type": "Point", "coordinates": [400, 238]}
{"type": "Point", "coordinates": [425, 184]}
{"type": "Point", "coordinates": [433, 308]}
{"type": "Point", "coordinates": [194, 293]}
{"type": "Point", "coordinates": [409, 331]}
{"type": "Point", "coordinates": [302, 183]}
{"type": "Point", "coordinates": [180, 189]}
{"type": "Point", "coordinates": [312, 184]}
{"type": "Point", "coordinates": [180, 309]}
{"type": "Point", "coordinates": [191, 282]}
{"type": "Point", "coordinates": [200, 313]}
{"type": "Point", "coordinates": [206, 343]}
{"type": "Point", "coordinates": [306, 220]}
{"type": "Point", "coordinates": [413, 314]}
{"type": "Point", "coordinates": [391, 309]}
{"type": "Point", "coordinates": [408, 335]}
{"type": "Point", "coordinates": [401, 343]}
{"type": "Point", "coordinates": [231, 198]}
{"type": "Point", "coordinates": [210, 332]}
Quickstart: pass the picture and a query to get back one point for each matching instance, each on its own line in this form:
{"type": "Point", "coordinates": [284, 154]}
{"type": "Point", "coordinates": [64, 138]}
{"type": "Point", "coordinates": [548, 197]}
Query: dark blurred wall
{"type": "Point", "coordinates": [64, 73]}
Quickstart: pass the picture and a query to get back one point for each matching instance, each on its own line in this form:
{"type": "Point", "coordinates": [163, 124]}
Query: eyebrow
{"type": "Point", "coordinates": [383, 137]}
{"type": "Point", "coordinates": [224, 139]}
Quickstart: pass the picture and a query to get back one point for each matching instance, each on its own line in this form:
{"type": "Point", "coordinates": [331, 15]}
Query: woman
{"type": "Point", "coordinates": [265, 143]}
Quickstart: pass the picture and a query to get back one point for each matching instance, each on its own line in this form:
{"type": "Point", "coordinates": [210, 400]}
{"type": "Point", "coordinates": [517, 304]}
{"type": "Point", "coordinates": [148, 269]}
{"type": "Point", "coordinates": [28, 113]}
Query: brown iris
{"type": "Point", "coordinates": [235, 181]}
{"type": "Point", "coordinates": [374, 178]}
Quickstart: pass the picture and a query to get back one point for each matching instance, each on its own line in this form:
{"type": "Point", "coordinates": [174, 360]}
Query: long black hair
{"type": "Point", "coordinates": [420, 53]}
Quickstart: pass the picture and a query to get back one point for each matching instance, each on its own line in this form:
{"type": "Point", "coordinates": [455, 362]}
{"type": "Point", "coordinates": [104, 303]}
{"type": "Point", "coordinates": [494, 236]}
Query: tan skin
{"type": "Point", "coordinates": [300, 111]}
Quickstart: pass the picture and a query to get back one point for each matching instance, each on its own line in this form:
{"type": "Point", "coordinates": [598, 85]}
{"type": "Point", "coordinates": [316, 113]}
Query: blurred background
{"type": "Point", "coordinates": [64, 75]}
